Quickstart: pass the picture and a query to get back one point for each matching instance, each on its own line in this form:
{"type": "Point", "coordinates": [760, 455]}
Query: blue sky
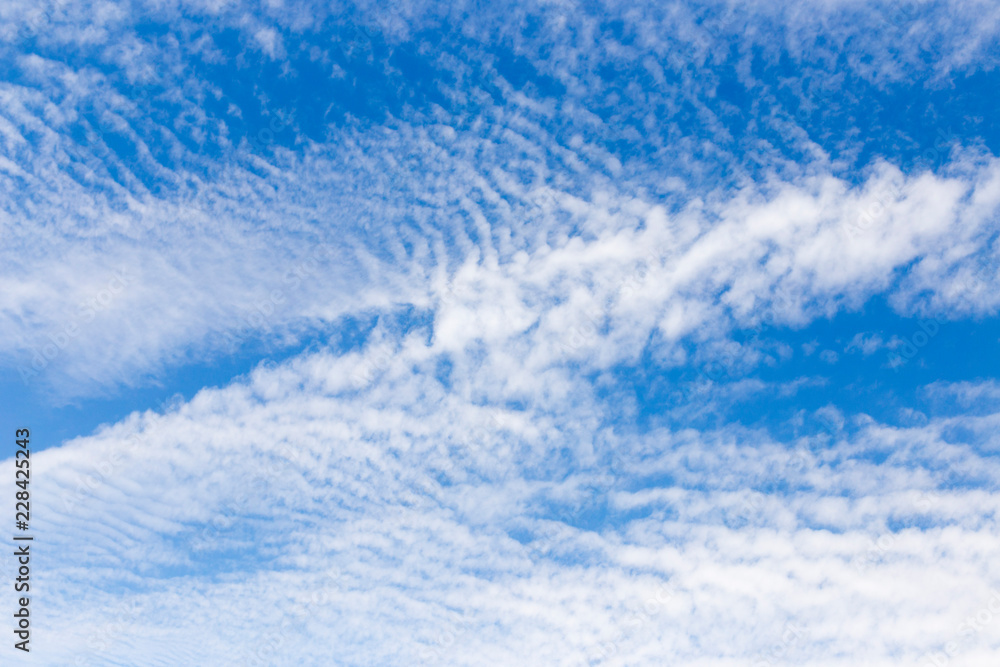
{"type": "Point", "coordinates": [559, 334]}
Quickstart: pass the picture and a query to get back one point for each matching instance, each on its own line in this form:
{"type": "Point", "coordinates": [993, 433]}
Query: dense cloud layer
{"type": "Point", "coordinates": [304, 513]}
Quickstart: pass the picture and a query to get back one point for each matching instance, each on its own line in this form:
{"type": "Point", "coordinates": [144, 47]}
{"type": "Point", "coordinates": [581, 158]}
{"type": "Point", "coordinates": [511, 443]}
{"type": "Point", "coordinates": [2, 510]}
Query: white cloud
{"type": "Point", "coordinates": [352, 505]}
{"type": "Point", "coordinates": [577, 261]}
{"type": "Point", "coordinates": [867, 344]}
{"type": "Point", "coordinates": [422, 524]}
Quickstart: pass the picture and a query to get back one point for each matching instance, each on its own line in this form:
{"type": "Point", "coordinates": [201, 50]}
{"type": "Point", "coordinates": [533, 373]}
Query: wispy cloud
{"type": "Point", "coordinates": [428, 534]}
{"type": "Point", "coordinates": [621, 392]}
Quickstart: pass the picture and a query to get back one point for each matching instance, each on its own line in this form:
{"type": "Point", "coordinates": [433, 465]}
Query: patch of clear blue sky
{"type": "Point", "coordinates": [959, 350]}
